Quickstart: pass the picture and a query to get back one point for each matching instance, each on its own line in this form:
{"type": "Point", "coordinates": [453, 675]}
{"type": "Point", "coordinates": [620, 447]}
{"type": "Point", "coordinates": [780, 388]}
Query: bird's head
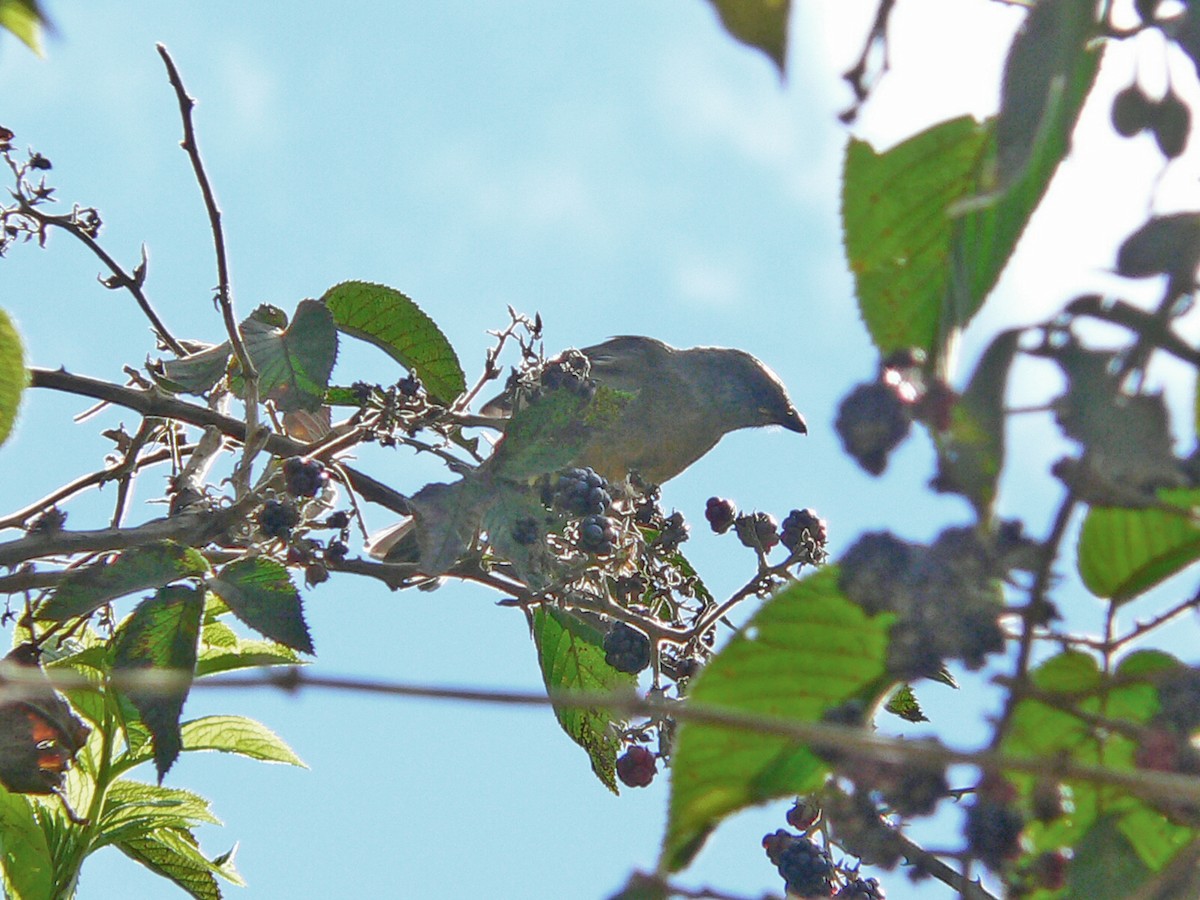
{"type": "Point", "coordinates": [747, 392]}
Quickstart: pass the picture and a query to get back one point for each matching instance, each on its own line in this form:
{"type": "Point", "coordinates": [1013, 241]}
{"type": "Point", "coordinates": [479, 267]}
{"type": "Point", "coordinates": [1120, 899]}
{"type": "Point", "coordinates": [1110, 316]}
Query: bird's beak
{"type": "Point", "coordinates": [795, 422]}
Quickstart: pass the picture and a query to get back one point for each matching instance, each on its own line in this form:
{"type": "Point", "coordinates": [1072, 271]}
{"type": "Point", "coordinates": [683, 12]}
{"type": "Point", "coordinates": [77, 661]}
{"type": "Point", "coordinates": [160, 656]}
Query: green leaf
{"type": "Point", "coordinates": [904, 704]}
{"type": "Point", "coordinates": [1105, 865]}
{"type": "Point", "coordinates": [193, 374]}
{"type": "Point", "coordinates": [971, 456]}
{"type": "Point", "coordinates": [571, 655]}
{"type": "Point", "coordinates": [237, 734]}
{"type": "Point", "coordinates": [133, 806]}
{"type": "Point", "coordinates": [260, 592]}
{"type": "Point", "coordinates": [762, 24]}
{"type": "Point", "coordinates": [1043, 56]}
{"type": "Point", "coordinates": [25, 19]}
{"type": "Point", "coordinates": [83, 591]}
{"type": "Point", "coordinates": [175, 854]}
{"type": "Point", "coordinates": [25, 855]}
{"type": "Point", "coordinates": [388, 319]}
{"type": "Point", "coordinates": [806, 650]}
{"type": "Point", "coordinates": [247, 655]}
{"type": "Point", "coordinates": [924, 247]}
{"type": "Point", "coordinates": [161, 635]}
{"type": "Point", "coordinates": [1123, 553]}
{"type": "Point", "coordinates": [293, 363]}
{"type": "Point", "coordinates": [13, 376]}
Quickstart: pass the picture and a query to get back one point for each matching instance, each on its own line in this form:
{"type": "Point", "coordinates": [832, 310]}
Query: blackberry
{"type": "Point", "coordinates": [776, 843]}
{"type": "Point", "coordinates": [580, 492]}
{"type": "Point", "coordinates": [757, 530]}
{"type": "Point", "coordinates": [598, 535]}
{"type": "Point", "coordinates": [720, 514]}
{"type": "Point", "coordinates": [872, 571]}
{"type": "Point", "coordinates": [673, 533]}
{"type": "Point", "coordinates": [993, 832]}
{"type": "Point", "coordinates": [800, 522]}
{"type": "Point", "coordinates": [1050, 871]}
{"type": "Point", "coordinates": [626, 649]}
{"type": "Point", "coordinates": [1171, 121]}
{"type": "Point", "coordinates": [861, 889]}
{"type": "Point", "coordinates": [408, 386]}
{"type": "Point", "coordinates": [1131, 111]}
{"type": "Point", "coordinates": [525, 530]}
{"type": "Point", "coordinates": [277, 519]}
{"type": "Point", "coordinates": [303, 477]}
{"type": "Point", "coordinates": [1179, 699]}
{"type": "Point", "coordinates": [807, 869]}
{"type": "Point", "coordinates": [314, 574]}
{"type": "Point", "coordinates": [637, 767]}
{"type": "Point", "coordinates": [336, 552]}
{"type": "Point", "coordinates": [338, 520]}
{"type": "Point", "coordinates": [872, 421]}
{"type": "Point", "coordinates": [917, 790]}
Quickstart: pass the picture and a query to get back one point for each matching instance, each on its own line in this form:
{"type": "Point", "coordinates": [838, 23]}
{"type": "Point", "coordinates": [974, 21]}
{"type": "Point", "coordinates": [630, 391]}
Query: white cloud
{"type": "Point", "coordinates": [708, 282]}
{"type": "Point", "coordinates": [251, 90]}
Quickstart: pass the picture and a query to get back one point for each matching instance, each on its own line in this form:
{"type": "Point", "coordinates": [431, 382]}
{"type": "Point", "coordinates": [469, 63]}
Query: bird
{"type": "Point", "coordinates": [678, 405]}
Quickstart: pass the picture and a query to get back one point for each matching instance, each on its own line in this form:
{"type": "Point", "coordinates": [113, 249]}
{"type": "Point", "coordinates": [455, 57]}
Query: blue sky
{"type": "Point", "coordinates": [618, 168]}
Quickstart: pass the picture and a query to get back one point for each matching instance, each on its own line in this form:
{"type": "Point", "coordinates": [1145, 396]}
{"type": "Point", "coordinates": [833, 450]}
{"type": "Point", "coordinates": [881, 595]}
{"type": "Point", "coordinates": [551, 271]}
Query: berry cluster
{"type": "Point", "coordinates": [807, 868]}
{"type": "Point", "coordinates": [304, 477]}
{"type": "Point", "coordinates": [804, 533]}
{"type": "Point", "coordinates": [1168, 119]}
{"type": "Point", "coordinates": [637, 766]}
{"type": "Point", "coordinates": [579, 492]}
{"type": "Point", "coordinates": [598, 535]}
{"type": "Point", "coordinates": [626, 649]}
{"type": "Point", "coordinates": [277, 519]}
{"type": "Point", "coordinates": [947, 597]}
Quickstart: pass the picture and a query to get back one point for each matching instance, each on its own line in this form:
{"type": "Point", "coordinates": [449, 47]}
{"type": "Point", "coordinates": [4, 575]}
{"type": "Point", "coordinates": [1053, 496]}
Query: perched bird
{"type": "Point", "coordinates": [680, 404]}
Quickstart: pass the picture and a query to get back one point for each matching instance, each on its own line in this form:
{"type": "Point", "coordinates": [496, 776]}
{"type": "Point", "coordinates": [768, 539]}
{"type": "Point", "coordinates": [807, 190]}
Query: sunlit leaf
{"type": "Point", "coordinates": [25, 19]}
{"type": "Point", "coordinates": [762, 24]}
{"type": "Point", "coordinates": [260, 592]}
{"type": "Point", "coordinates": [571, 655]}
{"type": "Point", "coordinates": [392, 322]}
{"type": "Point", "coordinates": [293, 363]}
{"type": "Point", "coordinates": [25, 856]}
{"type": "Point", "coordinates": [13, 375]}
{"type": "Point", "coordinates": [807, 650]}
{"type": "Point", "coordinates": [237, 734]}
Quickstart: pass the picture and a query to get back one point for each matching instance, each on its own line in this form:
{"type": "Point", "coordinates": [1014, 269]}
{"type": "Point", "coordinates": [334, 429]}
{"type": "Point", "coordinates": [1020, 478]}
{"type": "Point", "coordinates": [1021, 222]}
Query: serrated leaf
{"type": "Point", "coordinates": [1041, 60]}
{"type": "Point", "coordinates": [571, 655]}
{"type": "Point", "coordinates": [161, 635]}
{"type": "Point", "coordinates": [1122, 553]}
{"type": "Point", "coordinates": [83, 591]}
{"type": "Point", "coordinates": [131, 806]}
{"type": "Point", "coordinates": [13, 376]}
{"type": "Point", "coordinates": [762, 24]}
{"type": "Point", "coordinates": [174, 854]}
{"type": "Point", "coordinates": [904, 704]}
{"type": "Point", "coordinates": [247, 655]}
{"type": "Point", "coordinates": [971, 455]}
{"type": "Point", "coordinates": [237, 734]}
{"type": "Point", "coordinates": [806, 650]}
{"type": "Point", "coordinates": [385, 317]}
{"type": "Point", "coordinates": [260, 592]}
{"type": "Point", "coordinates": [923, 263]}
{"type": "Point", "coordinates": [293, 363]}
{"type": "Point", "coordinates": [24, 19]}
{"type": "Point", "coordinates": [25, 855]}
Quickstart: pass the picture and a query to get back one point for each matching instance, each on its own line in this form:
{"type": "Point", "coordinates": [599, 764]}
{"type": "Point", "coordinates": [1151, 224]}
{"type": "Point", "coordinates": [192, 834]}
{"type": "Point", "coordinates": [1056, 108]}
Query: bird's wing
{"type": "Point", "coordinates": [625, 363]}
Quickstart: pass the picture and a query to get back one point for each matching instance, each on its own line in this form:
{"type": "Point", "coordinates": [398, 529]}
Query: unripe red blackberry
{"type": "Point", "coordinates": [803, 815]}
{"type": "Point", "coordinates": [757, 530]}
{"type": "Point", "coordinates": [720, 514]}
{"type": "Point", "coordinates": [798, 523]}
{"type": "Point", "coordinates": [636, 767]}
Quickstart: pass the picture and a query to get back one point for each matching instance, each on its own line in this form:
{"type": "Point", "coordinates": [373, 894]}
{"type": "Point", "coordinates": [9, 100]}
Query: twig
{"type": "Point", "coordinates": [224, 291]}
{"type": "Point", "coordinates": [121, 278]}
{"type": "Point", "coordinates": [153, 402]}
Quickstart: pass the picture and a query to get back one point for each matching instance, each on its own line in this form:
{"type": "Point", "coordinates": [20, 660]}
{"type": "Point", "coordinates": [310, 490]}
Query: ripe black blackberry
{"type": "Point", "coordinates": [757, 530]}
{"type": "Point", "coordinates": [336, 552]}
{"type": "Point", "coordinates": [277, 519]}
{"type": "Point", "coordinates": [338, 520]}
{"type": "Point", "coordinates": [303, 477]}
{"type": "Point", "coordinates": [807, 869]}
{"type": "Point", "coordinates": [993, 832]}
{"type": "Point", "coordinates": [872, 421]}
{"type": "Point", "coordinates": [720, 514]}
{"type": "Point", "coordinates": [800, 522]}
{"type": "Point", "coordinates": [674, 532]}
{"type": "Point", "coordinates": [408, 386]}
{"type": "Point", "coordinates": [636, 767]}
{"type": "Point", "coordinates": [598, 535]}
{"type": "Point", "coordinates": [626, 649]}
{"type": "Point", "coordinates": [861, 889]}
{"type": "Point", "coordinates": [580, 492]}
{"type": "Point", "coordinates": [525, 530]}
{"type": "Point", "coordinates": [873, 571]}
{"type": "Point", "coordinates": [776, 843]}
